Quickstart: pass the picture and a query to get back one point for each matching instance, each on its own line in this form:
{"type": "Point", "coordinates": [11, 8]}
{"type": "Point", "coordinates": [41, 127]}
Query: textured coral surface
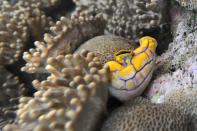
{"type": "Point", "coordinates": [141, 115]}
{"type": "Point", "coordinates": [65, 37]}
{"type": "Point", "coordinates": [76, 88]}
{"type": "Point", "coordinates": [61, 88]}
{"type": "Point", "coordinates": [11, 89]}
{"type": "Point", "coordinates": [177, 70]}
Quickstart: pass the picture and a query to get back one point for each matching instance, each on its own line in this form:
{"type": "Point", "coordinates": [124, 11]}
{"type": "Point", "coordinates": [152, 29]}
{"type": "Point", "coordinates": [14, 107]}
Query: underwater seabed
{"type": "Point", "coordinates": [98, 65]}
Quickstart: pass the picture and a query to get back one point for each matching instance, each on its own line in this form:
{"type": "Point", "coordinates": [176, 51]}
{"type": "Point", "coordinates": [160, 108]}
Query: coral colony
{"type": "Point", "coordinates": [98, 65]}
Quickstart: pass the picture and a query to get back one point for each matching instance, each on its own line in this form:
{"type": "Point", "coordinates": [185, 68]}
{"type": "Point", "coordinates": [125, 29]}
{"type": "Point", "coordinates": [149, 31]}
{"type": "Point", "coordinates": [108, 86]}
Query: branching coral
{"type": "Point", "coordinates": [17, 23]}
{"type": "Point", "coordinates": [64, 38]}
{"type": "Point", "coordinates": [41, 4]}
{"type": "Point", "coordinates": [106, 46]}
{"type": "Point", "coordinates": [11, 90]}
{"type": "Point", "coordinates": [76, 89]}
{"type": "Point", "coordinates": [132, 18]}
{"type": "Point", "coordinates": [141, 115]}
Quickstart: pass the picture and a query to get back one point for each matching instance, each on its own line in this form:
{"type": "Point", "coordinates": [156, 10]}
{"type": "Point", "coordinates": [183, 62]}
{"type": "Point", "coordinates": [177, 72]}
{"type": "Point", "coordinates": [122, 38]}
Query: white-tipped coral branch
{"type": "Point", "coordinates": [17, 23]}
{"type": "Point", "coordinates": [66, 36]}
{"type": "Point", "coordinates": [73, 97]}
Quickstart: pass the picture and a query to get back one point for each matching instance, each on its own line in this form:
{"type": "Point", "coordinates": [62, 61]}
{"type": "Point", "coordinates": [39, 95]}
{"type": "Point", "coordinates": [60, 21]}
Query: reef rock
{"type": "Point", "coordinates": [176, 68]}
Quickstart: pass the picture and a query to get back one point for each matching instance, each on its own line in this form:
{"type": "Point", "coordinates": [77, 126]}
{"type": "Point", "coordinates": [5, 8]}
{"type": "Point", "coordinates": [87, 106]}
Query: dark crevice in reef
{"type": "Point", "coordinates": [64, 6]}
{"type": "Point", "coordinates": [15, 69]}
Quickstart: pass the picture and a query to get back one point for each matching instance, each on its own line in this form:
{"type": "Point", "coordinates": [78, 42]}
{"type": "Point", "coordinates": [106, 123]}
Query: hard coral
{"type": "Point", "coordinates": [132, 18]}
{"type": "Point", "coordinates": [72, 98]}
{"type": "Point", "coordinates": [106, 46]}
{"type": "Point", "coordinates": [178, 70]}
{"type": "Point", "coordinates": [11, 90]}
{"type": "Point", "coordinates": [17, 23]}
{"type": "Point", "coordinates": [64, 38]}
{"type": "Point", "coordinates": [141, 115]}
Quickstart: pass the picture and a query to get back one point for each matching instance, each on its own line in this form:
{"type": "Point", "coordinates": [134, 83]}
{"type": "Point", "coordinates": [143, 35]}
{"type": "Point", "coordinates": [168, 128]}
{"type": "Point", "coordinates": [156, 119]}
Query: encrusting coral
{"type": "Point", "coordinates": [178, 70]}
{"type": "Point", "coordinates": [65, 37]}
{"type": "Point", "coordinates": [132, 71]}
{"type": "Point", "coordinates": [106, 45]}
{"type": "Point", "coordinates": [76, 89]}
{"type": "Point", "coordinates": [17, 23]}
{"type": "Point", "coordinates": [11, 90]}
{"type": "Point", "coordinates": [142, 115]}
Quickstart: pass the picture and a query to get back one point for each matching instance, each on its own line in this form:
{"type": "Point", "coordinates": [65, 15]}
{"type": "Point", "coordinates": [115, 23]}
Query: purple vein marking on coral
{"type": "Point", "coordinates": [138, 85]}
{"type": "Point", "coordinates": [142, 50]}
{"type": "Point", "coordinates": [138, 72]}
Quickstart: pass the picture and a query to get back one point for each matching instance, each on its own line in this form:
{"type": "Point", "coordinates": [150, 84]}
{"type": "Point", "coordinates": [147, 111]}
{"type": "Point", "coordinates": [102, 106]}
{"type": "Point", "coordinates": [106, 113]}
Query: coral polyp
{"type": "Point", "coordinates": [76, 88]}
{"type": "Point", "coordinates": [90, 65]}
{"type": "Point", "coordinates": [17, 24]}
{"type": "Point", "coordinates": [66, 36]}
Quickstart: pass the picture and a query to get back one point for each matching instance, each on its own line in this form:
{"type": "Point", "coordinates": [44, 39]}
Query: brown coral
{"type": "Point", "coordinates": [17, 23]}
{"type": "Point", "coordinates": [146, 116]}
{"type": "Point", "coordinates": [106, 46]}
{"type": "Point", "coordinates": [185, 99]}
{"type": "Point", "coordinates": [11, 90]}
{"type": "Point", "coordinates": [132, 18]}
{"type": "Point", "coordinates": [76, 89]}
{"type": "Point", "coordinates": [66, 36]}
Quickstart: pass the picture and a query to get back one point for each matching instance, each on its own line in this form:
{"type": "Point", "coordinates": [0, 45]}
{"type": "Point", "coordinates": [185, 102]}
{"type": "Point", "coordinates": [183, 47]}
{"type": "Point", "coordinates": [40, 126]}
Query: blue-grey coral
{"type": "Point", "coordinates": [76, 89]}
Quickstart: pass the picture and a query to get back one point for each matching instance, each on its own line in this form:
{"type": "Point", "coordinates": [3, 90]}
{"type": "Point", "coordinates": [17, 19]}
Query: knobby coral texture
{"type": "Point", "coordinates": [18, 22]}
{"type": "Point", "coordinates": [66, 35]}
{"type": "Point", "coordinates": [11, 90]}
{"type": "Point", "coordinates": [63, 47]}
{"type": "Point", "coordinates": [132, 18]}
{"type": "Point", "coordinates": [143, 115]}
{"type": "Point", "coordinates": [76, 89]}
{"type": "Point", "coordinates": [106, 46]}
{"type": "Point", "coordinates": [177, 70]}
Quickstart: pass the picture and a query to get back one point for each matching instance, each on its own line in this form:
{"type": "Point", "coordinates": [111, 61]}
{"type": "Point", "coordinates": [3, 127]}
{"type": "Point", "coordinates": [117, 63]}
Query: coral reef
{"type": "Point", "coordinates": [45, 5]}
{"type": "Point", "coordinates": [185, 99]}
{"type": "Point", "coordinates": [65, 37]}
{"type": "Point", "coordinates": [17, 23]}
{"type": "Point", "coordinates": [76, 89]}
{"type": "Point", "coordinates": [132, 18]}
{"type": "Point", "coordinates": [105, 46]}
{"type": "Point", "coordinates": [132, 70]}
{"type": "Point", "coordinates": [178, 70]}
{"type": "Point", "coordinates": [11, 90]}
{"type": "Point", "coordinates": [141, 115]}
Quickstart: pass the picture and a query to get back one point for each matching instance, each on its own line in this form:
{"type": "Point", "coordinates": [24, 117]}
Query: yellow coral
{"type": "Point", "coordinates": [133, 69]}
